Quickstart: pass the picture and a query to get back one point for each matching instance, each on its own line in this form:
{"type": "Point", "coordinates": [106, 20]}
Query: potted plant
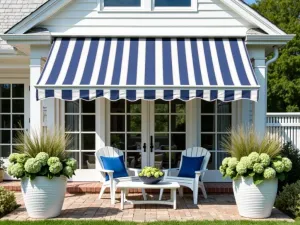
{"type": "Point", "coordinates": [2, 168]}
{"type": "Point", "coordinates": [43, 167]}
{"type": "Point", "coordinates": [255, 166]}
{"type": "Point", "coordinates": [151, 175]}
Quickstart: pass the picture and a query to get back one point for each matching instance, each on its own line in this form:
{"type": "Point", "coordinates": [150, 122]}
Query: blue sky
{"type": "Point", "coordinates": [250, 1]}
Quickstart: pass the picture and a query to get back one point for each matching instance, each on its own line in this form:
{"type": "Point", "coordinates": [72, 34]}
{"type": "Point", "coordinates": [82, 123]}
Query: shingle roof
{"type": "Point", "coordinates": [12, 11]}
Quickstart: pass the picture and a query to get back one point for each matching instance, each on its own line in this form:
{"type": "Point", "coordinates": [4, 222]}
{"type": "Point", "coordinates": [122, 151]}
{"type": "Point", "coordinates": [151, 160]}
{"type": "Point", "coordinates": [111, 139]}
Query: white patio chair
{"type": "Point", "coordinates": [192, 183]}
{"type": "Point", "coordinates": [112, 182]}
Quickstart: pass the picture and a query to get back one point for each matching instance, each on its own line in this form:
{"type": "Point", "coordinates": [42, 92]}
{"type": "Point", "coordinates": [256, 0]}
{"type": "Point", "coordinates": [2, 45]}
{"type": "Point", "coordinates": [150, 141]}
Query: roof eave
{"type": "Point", "coordinates": [273, 40]}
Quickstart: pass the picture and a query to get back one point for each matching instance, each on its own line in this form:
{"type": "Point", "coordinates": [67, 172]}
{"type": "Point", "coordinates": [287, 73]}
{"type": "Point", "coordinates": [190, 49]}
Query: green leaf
{"type": "Point", "coordinates": [258, 179]}
{"type": "Point", "coordinates": [281, 176]}
{"type": "Point", "coordinates": [252, 174]}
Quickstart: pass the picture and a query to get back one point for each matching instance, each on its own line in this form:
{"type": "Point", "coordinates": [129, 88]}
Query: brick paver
{"type": "Point", "coordinates": [88, 207]}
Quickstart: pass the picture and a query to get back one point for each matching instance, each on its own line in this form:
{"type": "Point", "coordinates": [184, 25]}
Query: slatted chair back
{"type": "Point", "coordinates": [106, 152]}
{"type": "Point", "coordinates": [197, 152]}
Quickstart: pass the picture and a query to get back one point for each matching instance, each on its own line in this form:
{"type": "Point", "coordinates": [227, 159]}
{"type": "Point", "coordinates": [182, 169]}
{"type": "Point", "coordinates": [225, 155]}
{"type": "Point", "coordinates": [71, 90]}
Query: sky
{"type": "Point", "coordinates": [250, 1]}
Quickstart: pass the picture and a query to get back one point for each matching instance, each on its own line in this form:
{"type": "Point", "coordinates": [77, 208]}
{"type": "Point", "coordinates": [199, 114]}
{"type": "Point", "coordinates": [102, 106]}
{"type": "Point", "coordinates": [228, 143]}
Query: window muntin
{"type": "Point", "coordinates": [80, 124]}
{"type": "Point", "coordinates": [172, 3]}
{"type": "Point", "coordinates": [12, 113]}
{"type": "Point", "coordinates": [122, 3]}
{"type": "Point", "coordinates": [216, 121]}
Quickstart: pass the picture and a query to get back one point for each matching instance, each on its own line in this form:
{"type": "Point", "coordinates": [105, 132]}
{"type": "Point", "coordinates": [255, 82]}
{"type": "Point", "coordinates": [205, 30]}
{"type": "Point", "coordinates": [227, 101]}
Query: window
{"type": "Point", "coordinates": [216, 121]}
{"type": "Point", "coordinates": [172, 3]}
{"type": "Point", "coordinates": [122, 3]}
{"type": "Point", "coordinates": [12, 108]}
{"type": "Point", "coordinates": [80, 124]}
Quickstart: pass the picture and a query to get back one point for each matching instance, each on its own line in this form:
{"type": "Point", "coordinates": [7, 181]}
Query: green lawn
{"type": "Point", "coordinates": [52, 222]}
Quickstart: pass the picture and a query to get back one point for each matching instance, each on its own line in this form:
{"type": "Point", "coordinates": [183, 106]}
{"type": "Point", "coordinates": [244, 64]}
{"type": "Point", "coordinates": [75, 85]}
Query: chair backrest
{"type": "Point", "coordinates": [197, 152]}
{"type": "Point", "coordinates": [106, 152]}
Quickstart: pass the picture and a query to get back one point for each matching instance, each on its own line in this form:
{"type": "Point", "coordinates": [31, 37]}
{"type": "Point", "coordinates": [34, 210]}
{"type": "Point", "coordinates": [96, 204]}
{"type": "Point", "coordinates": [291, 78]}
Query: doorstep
{"type": "Point", "coordinates": [94, 187]}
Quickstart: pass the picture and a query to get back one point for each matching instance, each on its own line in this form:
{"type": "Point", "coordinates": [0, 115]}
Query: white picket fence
{"type": "Point", "coordinates": [285, 124]}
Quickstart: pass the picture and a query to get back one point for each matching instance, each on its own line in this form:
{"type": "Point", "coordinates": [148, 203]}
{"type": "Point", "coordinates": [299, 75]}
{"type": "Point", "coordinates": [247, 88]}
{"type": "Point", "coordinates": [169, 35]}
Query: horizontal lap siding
{"type": "Point", "coordinates": [212, 18]}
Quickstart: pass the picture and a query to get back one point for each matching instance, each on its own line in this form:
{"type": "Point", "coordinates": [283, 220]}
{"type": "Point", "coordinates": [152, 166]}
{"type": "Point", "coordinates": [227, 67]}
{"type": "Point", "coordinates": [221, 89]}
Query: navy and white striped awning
{"type": "Point", "coordinates": [148, 68]}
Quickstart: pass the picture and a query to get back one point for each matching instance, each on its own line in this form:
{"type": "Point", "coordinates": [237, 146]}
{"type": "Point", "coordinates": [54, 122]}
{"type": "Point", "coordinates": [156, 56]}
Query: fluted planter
{"type": "Point", "coordinates": [255, 201]}
{"type": "Point", "coordinates": [43, 197]}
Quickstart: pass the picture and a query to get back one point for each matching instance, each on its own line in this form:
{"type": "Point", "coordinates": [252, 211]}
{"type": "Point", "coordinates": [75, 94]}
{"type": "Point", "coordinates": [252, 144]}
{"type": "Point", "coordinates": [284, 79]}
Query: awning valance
{"type": "Point", "coordinates": [148, 68]}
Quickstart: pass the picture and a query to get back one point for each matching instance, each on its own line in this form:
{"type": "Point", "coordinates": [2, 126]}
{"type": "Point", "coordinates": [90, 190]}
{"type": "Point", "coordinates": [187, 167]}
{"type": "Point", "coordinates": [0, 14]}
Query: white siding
{"type": "Point", "coordinates": [83, 17]}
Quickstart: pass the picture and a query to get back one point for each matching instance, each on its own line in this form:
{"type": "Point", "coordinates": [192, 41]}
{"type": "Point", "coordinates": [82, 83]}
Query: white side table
{"type": "Point", "coordinates": [173, 186]}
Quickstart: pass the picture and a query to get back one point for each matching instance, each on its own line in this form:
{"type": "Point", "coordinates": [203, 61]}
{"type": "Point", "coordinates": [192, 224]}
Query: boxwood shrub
{"type": "Point", "coordinates": [7, 201]}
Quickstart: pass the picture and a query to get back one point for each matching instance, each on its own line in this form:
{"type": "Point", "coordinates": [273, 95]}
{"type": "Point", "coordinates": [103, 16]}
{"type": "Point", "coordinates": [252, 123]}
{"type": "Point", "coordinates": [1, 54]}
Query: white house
{"type": "Point", "coordinates": [159, 75]}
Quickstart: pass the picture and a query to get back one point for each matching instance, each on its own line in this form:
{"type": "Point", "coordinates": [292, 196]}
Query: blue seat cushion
{"type": "Point", "coordinates": [190, 165]}
{"type": "Point", "coordinates": [116, 164]}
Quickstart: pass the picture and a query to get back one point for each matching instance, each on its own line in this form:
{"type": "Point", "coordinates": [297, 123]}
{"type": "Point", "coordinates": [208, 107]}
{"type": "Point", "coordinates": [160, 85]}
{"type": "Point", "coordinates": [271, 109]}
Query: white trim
{"type": "Point", "coordinates": [268, 39]}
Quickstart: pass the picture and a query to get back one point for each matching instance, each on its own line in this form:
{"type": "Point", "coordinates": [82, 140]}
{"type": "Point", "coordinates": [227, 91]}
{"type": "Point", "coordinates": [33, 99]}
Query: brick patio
{"type": "Point", "coordinates": [88, 207]}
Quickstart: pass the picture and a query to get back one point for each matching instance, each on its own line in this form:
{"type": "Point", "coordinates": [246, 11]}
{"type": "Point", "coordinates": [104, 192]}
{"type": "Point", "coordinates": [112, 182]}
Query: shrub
{"type": "Point", "coordinates": [7, 201]}
{"type": "Point", "coordinates": [288, 199]}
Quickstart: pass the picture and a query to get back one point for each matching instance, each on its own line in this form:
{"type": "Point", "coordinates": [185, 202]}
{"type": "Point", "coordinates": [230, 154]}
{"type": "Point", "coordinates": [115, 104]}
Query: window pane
{"type": "Point", "coordinates": [134, 160]}
{"type": "Point", "coordinates": [72, 123]}
{"type": "Point", "coordinates": [74, 155]}
{"type": "Point", "coordinates": [178, 142]}
{"type": "Point", "coordinates": [72, 107]}
{"type": "Point", "coordinates": [175, 159]}
{"type": "Point", "coordinates": [161, 106]}
{"type": "Point", "coordinates": [18, 121]}
{"type": "Point", "coordinates": [207, 123]}
{"type": "Point", "coordinates": [117, 123]}
{"type": "Point", "coordinates": [18, 106]}
{"type": "Point", "coordinates": [159, 158]}
{"type": "Point", "coordinates": [134, 142]}
{"type": "Point", "coordinates": [208, 141]}
{"type": "Point", "coordinates": [5, 106]}
{"type": "Point", "coordinates": [212, 162]}
{"type": "Point", "coordinates": [15, 134]}
{"type": "Point", "coordinates": [5, 121]}
{"type": "Point", "coordinates": [122, 3]}
{"type": "Point", "coordinates": [88, 142]}
{"type": "Point", "coordinates": [134, 107]}
{"type": "Point", "coordinates": [177, 106]}
{"type": "Point", "coordinates": [161, 141]}
{"type": "Point", "coordinates": [224, 107]}
{"type": "Point", "coordinates": [5, 137]}
{"type": "Point", "coordinates": [174, 3]}
{"type": "Point", "coordinates": [4, 151]}
{"type": "Point", "coordinates": [88, 160]}
{"type": "Point", "coordinates": [178, 123]}
{"type": "Point", "coordinates": [118, 141]}
{"type": "Point", "coordinates": [88, 123]}
{"type": "Point", "coordinates": [161, 123]}
{"type": "Point", "coordinates": [117, 107]}
{"type": "Point", "coordinates": [18, 90]}
{"type": "Point", "coordinates": [221, 138]}
{"type": "Point", "coordinates": [88, 106]}
{"type": "Point", "coordinates": [74, 145]}
{"type": "Point", "coordinates": [207, 107]}
{"type": "Point", "coordinates": [224, 123]}
{"type": "Point", "coordinates": [4, 90]}
{"type": "Point", "coordinates": [134, 123]}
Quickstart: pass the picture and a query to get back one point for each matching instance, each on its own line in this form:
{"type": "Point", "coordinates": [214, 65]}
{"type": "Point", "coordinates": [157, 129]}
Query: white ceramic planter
{"type": "Point", "coordinates": [44, 198]}
{"type": "Point", "coordinates": [255, 201]}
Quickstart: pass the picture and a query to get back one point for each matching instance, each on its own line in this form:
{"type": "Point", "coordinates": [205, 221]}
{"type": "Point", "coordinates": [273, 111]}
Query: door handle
{"type": "Point", "coordinates": [151, 144]}
{"type": "Point", "coordinates": [145, 147]}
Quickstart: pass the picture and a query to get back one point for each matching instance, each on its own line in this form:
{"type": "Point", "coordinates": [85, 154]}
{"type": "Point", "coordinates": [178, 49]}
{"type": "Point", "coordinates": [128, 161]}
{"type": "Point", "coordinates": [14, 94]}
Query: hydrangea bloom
{"type": "Point", "coordinates": [230, 172]}
{"type": "Point", "coordinates": [241, 168]}
{"type": "Point", "coordinates": [258, 168]}
{"type": "Point", "coordinates": [55, 168]}
{"type": "Point", "coordinates": [254, 157]}
{"type": "Point", "coordinates": [68, 171]}
{"type": "Point", "coordinates": [222, 170]}
{"type": "Point", "coordinates": [42, 157]}
{"type": "Point", "coordinates": [232, 162]}
{"type": "Point", "coordinates": [287, 164]}
{"type": "Point", "coordinates": [247, 162]}
{"type": "Point", "coordinates": [148, 174]}
{"type": "Point", "coordinates": [32, 166]}
{"type": "Point", "coordinates": [17, 170]}
{"type": "Point", "coordinates": [278, 166]}
{"type": "Point", "coordinates": [156, 175]}
{"type": "Point", "coordinates": [265, 159]}
{"type": "Point", "coordinates": [13, 157]}
{"type": "Point", "coordinates": [225, 161]}
{"type": "Point", "coordinates": [21, 158]}
{"type": "Point", "coordinates": [52, 160]}
{"type": "Point", "coordinates": [72, 163]}
{"type": "Point", "coordinates": [269, 173]}
{"type": "Point", "coordinates": [9, 169]}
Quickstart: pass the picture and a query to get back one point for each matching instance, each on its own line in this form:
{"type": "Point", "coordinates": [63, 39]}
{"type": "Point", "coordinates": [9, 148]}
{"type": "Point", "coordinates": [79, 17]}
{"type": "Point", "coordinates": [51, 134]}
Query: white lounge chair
{"type": "Point", "coordinates": [112, 182]}
{"type": "Point", "coordinates": [192, 183]}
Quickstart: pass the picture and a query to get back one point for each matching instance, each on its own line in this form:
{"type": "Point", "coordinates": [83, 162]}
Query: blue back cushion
{"type": "Point", "coordinates": [190, 165]}
{"type": "Point", "coordinates": [116, 164]}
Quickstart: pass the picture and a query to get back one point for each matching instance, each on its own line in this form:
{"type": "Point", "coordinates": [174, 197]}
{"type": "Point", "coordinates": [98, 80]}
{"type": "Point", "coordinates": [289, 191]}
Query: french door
{"type": "Point", "coordinates": [149, 133]}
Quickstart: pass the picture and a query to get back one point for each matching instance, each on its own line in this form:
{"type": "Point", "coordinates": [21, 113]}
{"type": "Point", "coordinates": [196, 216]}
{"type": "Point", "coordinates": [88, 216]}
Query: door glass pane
{"type": "Point", "coordinates": [172, 3]}
{"type": "Point", "coordinates": [161, 106]}
{"type": "Point", "coordinates": [4, 151]}
{"type": "Point", "coordinates": [88, 160]}
{"type": "Point", "coordinates": [224, 123]}
{"type": "Point", "coordinates": [224, 107]}
{"type": "Point", "coordinates": [118, 141]}
{"type": "Point", "coordinates": [177, 106]}
{"type": "Point", "coordinates": [4, 90]}
{"type": "Point", "coordinates": [134, 142]}
{"type": "Point", "coordinates": [88, 123]}
{"type": "Point", "coordinates": [88, 142]}
{"type": "Point", "coordinates": [18, 121]}
{"type": "Point", "coordinates": [175, 159]}
{"type": "Point", "coordinates": [5, 136]}
{"type": "Point", "coordinates": [18, 106]}
{"type": "Point", "coordinates": [74, 155]}
{"type": "Point", "coordinates": [178, 142]}
{"type": "Point", "coordinates": [208, 141]}
{"type": "Point", "coordinates": [88, 106]}
{"type": "Point", "coordinates": [178, 123]}
{"type": "Point", "coordinates": [134, 107]}
{"type": "Point", "coordinates": [18, 90]}
{"type": "Point", "coordinates": [72, 107]}
{"type": "Point", "coordinates": [161, 123]}
{"type": "Point", "coordinates": [117, 123]}
{"type": "Point", "coordinates": [134, 123]}
{"type": "Point", "coordinates": [72, 123]}
{"type": "Point", "coordinates": [212, 162]}
{"type": "Point", "coordinates": [134, 160]}
{"type": "Point", "coordinates": [221, 138]}
{"type": "Point", "coordinates": [117, 106]}
{"type": "Point", "coordinates": [159, 160]}
{"type": "Point", "coordinates": [161, 141]}
{"type": "Point", "coordinates": [122, 3]}
{"type": "Point", "coordinates": [208, 124]}
{"type": "Point", "coordinates": [220, 157]}
{"type": "Point", "coordinates": [74, 145]}
{"type": "Point", "coordinates": [207, 107]}
{"type": "Point", "coordinates": [5, 106]}
{"type": "Point", "coordinates": [5, 121]}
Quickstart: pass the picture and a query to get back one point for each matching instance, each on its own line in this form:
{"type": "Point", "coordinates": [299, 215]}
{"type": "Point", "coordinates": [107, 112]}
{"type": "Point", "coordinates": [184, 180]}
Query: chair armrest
{"type": "Point", "coordinates": [136, 171]}
{"type": "Point", "coordinates": [201, 171]}
{"type": "Point", "coordinates": [167, 171]}
{"type": "Point", "coordinates": [106, 171]}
